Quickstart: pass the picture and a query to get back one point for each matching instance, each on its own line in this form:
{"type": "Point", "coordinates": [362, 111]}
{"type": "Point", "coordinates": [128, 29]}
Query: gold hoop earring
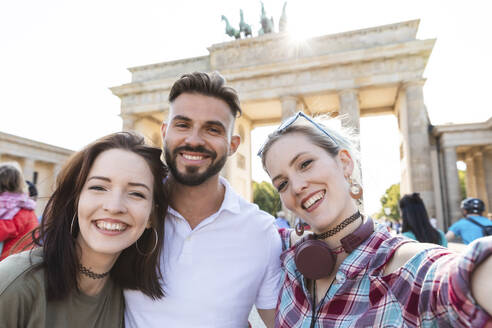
{"type": "Point", "coordinates": [153, 248]}
{"type": "Point", "coordinates": [355, 189]}
{"type": "Point", "coordinates": [71, 225]}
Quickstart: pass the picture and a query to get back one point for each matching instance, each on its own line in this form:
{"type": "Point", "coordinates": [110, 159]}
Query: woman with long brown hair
{"type": "Point", "coordinates": [416, 223]}
{"type": "Point", "coordinates": [102, 231]}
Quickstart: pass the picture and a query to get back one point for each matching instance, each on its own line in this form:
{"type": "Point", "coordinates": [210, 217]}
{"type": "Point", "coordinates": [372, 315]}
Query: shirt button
{"type": "Point", "coordinates": [340, 277]}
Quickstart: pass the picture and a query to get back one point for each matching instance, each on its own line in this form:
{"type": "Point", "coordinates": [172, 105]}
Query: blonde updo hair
{"type": "Point", "coordinates": [341, 138]}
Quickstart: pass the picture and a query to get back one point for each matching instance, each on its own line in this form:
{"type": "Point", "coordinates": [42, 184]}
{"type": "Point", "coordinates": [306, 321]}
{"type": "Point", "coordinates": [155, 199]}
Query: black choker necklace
{"type": "Point", "coordinates": [92, 274]}
{"type": "Point", "coordinates": [339, 227]}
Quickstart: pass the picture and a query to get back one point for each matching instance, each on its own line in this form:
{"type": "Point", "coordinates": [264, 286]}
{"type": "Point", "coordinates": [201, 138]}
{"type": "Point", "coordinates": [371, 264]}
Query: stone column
{"type": "Point", "coordinates": [452, 184]}
{"type": "Point", "coordinates": [128, 122]}
{"type": "Point", "coordinates": [290, 106]}
{"type": "Point", "coordinates": [487, 167]}
{"type": "Point", "coordinates": [350, 111]}
{"type": "Point", "coordinates": [436, 181]}
{"type": "Point", "coordinates": [471, 184]}
{"type": "Point", "coordinates": [349, 107]}
{"type": "Point", "coordinates": [480, 178]}
{"type": "Point", "coordinates": [28, 168]}
{"type": "Point", "coordinates": [414, 124]}
{"type": "Point", "coordinates": [56, 170]}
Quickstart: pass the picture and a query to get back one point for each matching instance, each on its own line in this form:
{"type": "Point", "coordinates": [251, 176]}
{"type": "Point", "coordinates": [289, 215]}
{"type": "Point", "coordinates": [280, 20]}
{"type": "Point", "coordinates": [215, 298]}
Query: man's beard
{"type": "Point", "coordinates": [192, 177]}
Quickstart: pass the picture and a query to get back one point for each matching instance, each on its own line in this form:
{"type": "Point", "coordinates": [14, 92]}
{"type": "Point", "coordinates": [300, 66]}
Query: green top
{"type": "Point", "coordinates": [443, 242]}
{"type": "Point", "coordinates": [23, 299]}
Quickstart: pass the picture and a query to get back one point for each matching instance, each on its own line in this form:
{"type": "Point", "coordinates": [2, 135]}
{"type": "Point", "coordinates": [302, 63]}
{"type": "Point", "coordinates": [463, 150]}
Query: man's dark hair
{"type": "Point", "coordinates": [131, 270]}
{"type": "Point", "coordinates": [212, 85]}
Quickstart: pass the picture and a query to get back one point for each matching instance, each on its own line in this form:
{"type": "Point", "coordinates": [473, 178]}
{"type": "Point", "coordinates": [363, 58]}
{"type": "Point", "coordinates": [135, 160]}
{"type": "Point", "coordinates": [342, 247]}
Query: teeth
{"type": "Point", "coordinates": [193, 157]}
{"type": "Point", "coordinates": [111, 226]}
{"type": "Point", "coordinates": [307, 204]}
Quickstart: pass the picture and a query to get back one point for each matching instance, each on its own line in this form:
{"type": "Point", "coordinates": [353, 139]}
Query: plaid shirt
{"type": "Point", "coordinates": [431, 290]}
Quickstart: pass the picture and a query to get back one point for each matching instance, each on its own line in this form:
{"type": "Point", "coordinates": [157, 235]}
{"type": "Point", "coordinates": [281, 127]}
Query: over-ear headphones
{"type": "Point", "coordinates": [314, 258]}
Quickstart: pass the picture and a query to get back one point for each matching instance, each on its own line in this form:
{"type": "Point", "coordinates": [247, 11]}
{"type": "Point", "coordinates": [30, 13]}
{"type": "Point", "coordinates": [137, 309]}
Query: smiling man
{"type": "Point", "coordinates": [221, 253]}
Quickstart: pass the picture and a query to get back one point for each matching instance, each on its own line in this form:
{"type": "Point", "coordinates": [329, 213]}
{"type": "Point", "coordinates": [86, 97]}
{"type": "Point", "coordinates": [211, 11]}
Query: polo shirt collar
{"type": "Point", "coordinates": [231, 199]}
{"type": "Point", "coordinates": [230, 203]}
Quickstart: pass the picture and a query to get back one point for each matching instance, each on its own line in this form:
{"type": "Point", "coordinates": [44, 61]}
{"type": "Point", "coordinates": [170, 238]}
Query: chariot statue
{"type": "Point", "coordinates": [266, 23]}
{"type": "Point", "coordinates": [231, 31]}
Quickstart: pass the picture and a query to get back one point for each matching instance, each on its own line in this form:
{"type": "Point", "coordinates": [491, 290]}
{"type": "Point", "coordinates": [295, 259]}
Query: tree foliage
{"type": "Point", "coordinates": [390, 200]}
{"type": "Point", "coordinates": [462, 178]}
{"type": "Point", "coordinates": [266, 197]}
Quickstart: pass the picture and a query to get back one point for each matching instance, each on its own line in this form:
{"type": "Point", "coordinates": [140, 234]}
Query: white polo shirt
{"type": "Point", "coordinates": [214, 273]}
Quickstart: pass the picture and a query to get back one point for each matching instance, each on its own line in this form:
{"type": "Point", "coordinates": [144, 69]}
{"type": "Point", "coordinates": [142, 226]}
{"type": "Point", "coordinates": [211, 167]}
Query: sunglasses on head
{"type": "Point", "coordinates": [282, 127]}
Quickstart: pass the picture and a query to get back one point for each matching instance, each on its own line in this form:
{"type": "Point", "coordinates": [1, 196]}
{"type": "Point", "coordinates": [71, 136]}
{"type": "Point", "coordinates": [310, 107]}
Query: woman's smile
{"type": "Point", "coordinates": [311, 202]}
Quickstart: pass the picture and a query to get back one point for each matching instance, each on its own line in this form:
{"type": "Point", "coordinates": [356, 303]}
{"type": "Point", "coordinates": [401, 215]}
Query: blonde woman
{"type": "Point", "coordinates": [351, 272]}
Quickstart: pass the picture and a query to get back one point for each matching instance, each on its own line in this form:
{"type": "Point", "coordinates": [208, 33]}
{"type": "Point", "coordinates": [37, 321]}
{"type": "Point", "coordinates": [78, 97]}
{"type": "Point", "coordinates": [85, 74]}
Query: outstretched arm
{"type": "Point", "coordinates": [481, 285]}
{"type": "Point", "coordinates": [452, 288]}
{"type": "Point", "coordinates": [450, 236]}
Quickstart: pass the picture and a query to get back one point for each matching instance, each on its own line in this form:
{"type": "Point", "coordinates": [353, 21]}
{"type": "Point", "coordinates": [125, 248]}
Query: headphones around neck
{"type": "Point", "coordinates": [314, 258]}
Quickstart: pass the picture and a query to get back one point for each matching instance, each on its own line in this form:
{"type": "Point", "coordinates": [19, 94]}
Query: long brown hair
{"type": "Point", "coordinates": [132, 270]}
{"type": "Point", "coordinates": [416, 219]}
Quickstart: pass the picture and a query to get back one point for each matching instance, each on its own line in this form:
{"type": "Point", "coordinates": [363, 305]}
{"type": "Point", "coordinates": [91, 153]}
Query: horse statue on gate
{"type": "Point", "coordinates": [231, 31]}
{"type": "Point", "coordinates": [282, 24]}
{"type": "Point", "coordinates": [243, 27]}
{"type": "Point", "coordinates": [266, 23]}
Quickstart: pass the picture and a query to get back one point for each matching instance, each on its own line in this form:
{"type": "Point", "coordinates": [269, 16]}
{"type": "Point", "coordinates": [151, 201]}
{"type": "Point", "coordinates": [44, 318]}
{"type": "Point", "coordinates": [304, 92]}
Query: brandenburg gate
{"type": "Point", "coordinates": [364, 72]}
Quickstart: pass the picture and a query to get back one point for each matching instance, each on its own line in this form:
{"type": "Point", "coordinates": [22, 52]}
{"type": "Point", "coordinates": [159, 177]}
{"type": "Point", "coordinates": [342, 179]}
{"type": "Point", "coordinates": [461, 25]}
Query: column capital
{"type": "Point", "coordinates": [289, 98]}
{"type": "Point", "coordinates": [448, 147]}
{"type": "Point", "coordinates": [413, 83]}
{"type": "Point", "coordinates": [350, 91]}
{"type": "Point", "coordinates": [289, 105]}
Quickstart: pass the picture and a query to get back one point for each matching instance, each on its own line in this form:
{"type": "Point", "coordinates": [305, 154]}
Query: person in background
{"type": "Point", "coordinates": [469, 227]}
{"type": "Point", "coordinates": [416, 223]}
{"type": "Point", "coordinates": [102, 231]}
{"type": "Point", "coordinates": [32, 191]}
{"type": "Point", "coordinates": [350, 272]}
{"type": "Point", "coordinates": [33, 194]}
{"type": "Point", "coordinates": [398, 227]}
{"type": "Point", "coordinates": [280, 221]}
{"type": "Point", "coordinates": [17, 217]}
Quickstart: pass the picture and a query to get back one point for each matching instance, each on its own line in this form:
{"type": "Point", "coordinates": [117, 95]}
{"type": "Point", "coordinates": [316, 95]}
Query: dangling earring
{"type": "Point", "coordinates": [355, 189]}
{"type": "Point", "coordinates": [71, 225]}
{"type": "Point", "coordinates": [299, 227]}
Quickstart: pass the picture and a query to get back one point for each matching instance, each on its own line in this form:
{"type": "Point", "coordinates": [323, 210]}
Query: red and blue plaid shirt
{"type": "Point", "coordinates": [431, 290]}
